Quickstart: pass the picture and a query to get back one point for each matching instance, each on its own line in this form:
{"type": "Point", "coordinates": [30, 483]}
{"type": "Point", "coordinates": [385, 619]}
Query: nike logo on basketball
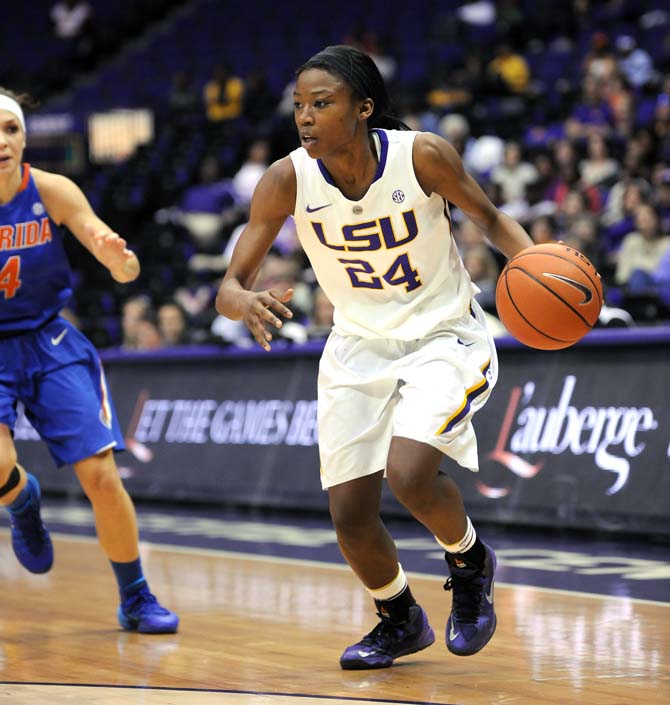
{"type": "Point", "coordinates": [59, 337]}
{"type": "Point", "coordinates": [452, 634]}
{"type": "Point", "coordinates": [318, 208]}
{"type": "Point", "coordinates": [588, 294]}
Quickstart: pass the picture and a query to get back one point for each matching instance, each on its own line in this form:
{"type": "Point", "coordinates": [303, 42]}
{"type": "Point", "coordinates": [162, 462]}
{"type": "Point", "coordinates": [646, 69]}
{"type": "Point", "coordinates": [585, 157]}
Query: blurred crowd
{"type": "Point", "coordinates": [564, 120]}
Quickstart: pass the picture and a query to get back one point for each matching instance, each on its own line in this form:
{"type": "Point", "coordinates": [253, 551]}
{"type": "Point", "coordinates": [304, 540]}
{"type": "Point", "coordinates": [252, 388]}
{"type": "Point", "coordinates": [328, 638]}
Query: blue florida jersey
{"type": "Point", "coordinates": [35, 276]}
{"type": "Point", "coordinates": [387, 262]}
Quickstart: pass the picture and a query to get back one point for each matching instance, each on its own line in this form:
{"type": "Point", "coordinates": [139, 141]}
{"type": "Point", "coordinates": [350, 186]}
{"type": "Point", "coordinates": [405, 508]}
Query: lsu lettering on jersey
{"type": "Point", "coordinates": [35, 276]}
{"type": "Point", "coordinates": [387, 262]}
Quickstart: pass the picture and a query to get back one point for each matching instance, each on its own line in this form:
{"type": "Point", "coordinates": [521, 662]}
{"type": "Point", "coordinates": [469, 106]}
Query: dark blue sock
{"type": "Point", "coordinates": [21, 501]}
{"type": "Point", "coordinates": [129, 576]}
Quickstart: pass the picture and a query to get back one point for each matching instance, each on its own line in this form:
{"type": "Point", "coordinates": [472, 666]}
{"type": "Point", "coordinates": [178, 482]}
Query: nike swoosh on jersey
{"type": "Point", "coordinates": [318, 208]}
{"type": "Point", "coordinates": [59, 337]}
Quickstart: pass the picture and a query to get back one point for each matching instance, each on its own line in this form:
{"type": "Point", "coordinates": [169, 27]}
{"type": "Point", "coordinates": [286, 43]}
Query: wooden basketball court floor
{"type": "Point", "coordinates": [261, 629]}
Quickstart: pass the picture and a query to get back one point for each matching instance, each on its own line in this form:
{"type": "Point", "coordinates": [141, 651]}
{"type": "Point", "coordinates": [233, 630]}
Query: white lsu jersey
{"type": "Point", "coordinates": [387, 262]}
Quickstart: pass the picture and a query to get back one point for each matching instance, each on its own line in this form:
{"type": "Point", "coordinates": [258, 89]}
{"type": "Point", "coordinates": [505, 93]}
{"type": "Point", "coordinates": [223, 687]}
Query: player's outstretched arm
{"type": "Point", "coordinates": [272, 203]}
{"type": "Point", "coordinates": [440, 170]}
{"type": "Point", "coordinates": [67, 205]}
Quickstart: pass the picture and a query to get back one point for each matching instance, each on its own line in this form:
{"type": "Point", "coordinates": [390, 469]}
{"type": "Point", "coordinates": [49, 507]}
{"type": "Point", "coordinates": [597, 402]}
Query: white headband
{"type": "Point", "coordinates": [7, 103]}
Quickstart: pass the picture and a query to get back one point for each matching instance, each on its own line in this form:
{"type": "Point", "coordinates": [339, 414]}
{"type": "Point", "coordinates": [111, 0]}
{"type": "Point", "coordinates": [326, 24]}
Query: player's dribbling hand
{"type": "Point", "coordinates": [110, 249]}
{"type": "Point", "coordinates": [264, 307]}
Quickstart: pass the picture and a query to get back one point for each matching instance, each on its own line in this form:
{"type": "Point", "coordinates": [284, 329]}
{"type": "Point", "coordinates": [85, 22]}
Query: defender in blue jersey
{"type": "Point", "coordinates": [54, 371]}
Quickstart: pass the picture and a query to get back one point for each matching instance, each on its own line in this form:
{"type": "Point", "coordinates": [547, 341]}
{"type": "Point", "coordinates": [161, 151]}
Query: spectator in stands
{"type": "Point", "coordinates": [514, 175]}
{"type": "Point", "coordinates": [450, 90]}
{"type": "Point", "coordinates": [641, 262]}
{"type": "Point", "coordinates": [592, 114]}
{"type": "Point", "coordinates": [133, 310]}
{"type": "Point", "coordinates": [613, 211]}
{"type": "Point", "coordinates": [662, 278]}
{"type": "Point", "coordinates": [285, 105]}
{"type": "Point", "coordinates": [195, 298]}
{"type": "Point", "coordinates": [208, 205]}
{"type": "Point", "coordinates": [661, 123]}
{"type": "Point", "coordinates": [620, 98]}
{"type": "Point", "coordinates": [539, 189]}
{"type": "Point", "coordinates": [543, 230]}
{"type": "Point", "coordinates": [248, 175]}
{"type": "Point", "coordinates": [472, 19]}
{"type": "Point", "coordinates": [279, 272]}
{"type": "Point", "coordinates": [571, 208]}
{"type": "Point", "coordinates": [370, 42]}
{"type": "Point", "coordinates": [635, 63]}
{"type": "Point", "coordinates": [73, 24]}
{"type": "Point", "coordinates": [564, 155]}
{"type": "Point", "coordinates": [148, 335]}
{"type": "Point", "coordinates": [286, 244]}
{"type": "Point", "coordinates": [636, 159]}
{"type": "Point", "coordinates": [470, 76]}
{"type": "Point", "coordinates": [258, 104]}
{"type": "Point", "coordinates": [276, 273]}
{"type": "Point", "coordinates": [70, 18]}
{"type": "Point", "coordinates": [483, 269]}
{"type": "Point", "coordinates": [620, 219]}
{"type": "Point", "coordinates": [661, 198]}
{"type": "Point", "coordinates": [483, 155]}
{"type": "Point", "coordinates": [183, 101]}
{"type": "Point", "coordinates": [598, 167]}
{"type": "Point", "coordinates": [508, 71]}
{"type": "Point", "coordinates": [649, 148]}
{"type": "Point", "coordinates": [173, 324]}
{"type": "Point", "coordinates": [455, 129]}
{"type": "Point", "coordinates": [512, 22]}
{"type": "Point", "coordinates": [468, 236]}
{"type": "Point", "coordinates": [600, 63]}
{"type": "Point", "coordinates": [214, 203]}
{"type": "Point", "coordinates": [321, 319]}
{"type": "Point", "coordinates": [223, 95]}
{"type": "Point", "coordinates": [583, 236]}
{"type": "Point", "coordinates": [283, 133]}
{"type": "Point", "coordinates": [567, 179]}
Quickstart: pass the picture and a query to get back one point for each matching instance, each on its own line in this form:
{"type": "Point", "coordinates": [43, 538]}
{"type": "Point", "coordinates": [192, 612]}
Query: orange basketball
{"type": "Point", "coordinates": [549, 296]}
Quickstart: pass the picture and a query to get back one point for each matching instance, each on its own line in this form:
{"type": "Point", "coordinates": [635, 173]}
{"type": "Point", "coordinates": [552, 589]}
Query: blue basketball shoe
{"type": "Point", "coordinates": [141, 612]}
{"type": "Point", "coordinates": [30, 539]}
{"type": "Point", "coordinates": [389, 640]}
{"type": "Point", "coordinates": [472, 620]}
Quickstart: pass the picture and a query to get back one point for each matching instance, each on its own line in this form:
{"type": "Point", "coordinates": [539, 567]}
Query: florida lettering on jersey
{"type": "Point", "coordinates": [393, 247]}
{"type": "Point", "coordinates": [30, 234]}
{"type": "Point", "coordinates": [35, 276]}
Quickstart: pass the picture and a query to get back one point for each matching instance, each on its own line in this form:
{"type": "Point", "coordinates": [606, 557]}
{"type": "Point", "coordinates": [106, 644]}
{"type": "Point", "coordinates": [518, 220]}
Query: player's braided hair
{"type": "Point", "coordinates": [360, 72]}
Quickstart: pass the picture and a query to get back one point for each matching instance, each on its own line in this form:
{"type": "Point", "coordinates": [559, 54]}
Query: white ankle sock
{"type": "Point", "coordinates": [466, 543]}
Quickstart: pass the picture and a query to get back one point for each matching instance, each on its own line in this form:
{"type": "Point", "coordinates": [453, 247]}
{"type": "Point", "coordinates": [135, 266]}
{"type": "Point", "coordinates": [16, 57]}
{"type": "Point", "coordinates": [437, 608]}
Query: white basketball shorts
{"type": "Point", "coordinates": [426, 390]}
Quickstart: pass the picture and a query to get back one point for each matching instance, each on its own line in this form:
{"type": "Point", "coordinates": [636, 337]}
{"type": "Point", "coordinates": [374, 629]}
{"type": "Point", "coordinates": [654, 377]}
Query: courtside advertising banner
{"type": "Point", "coordinates": [573, 438]}
{"type": "Point", "coordinates": [576, 438]}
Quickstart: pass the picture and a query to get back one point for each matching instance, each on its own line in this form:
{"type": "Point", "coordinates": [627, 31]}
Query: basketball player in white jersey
{"type": "Point", "coordinates": [409, 359]}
